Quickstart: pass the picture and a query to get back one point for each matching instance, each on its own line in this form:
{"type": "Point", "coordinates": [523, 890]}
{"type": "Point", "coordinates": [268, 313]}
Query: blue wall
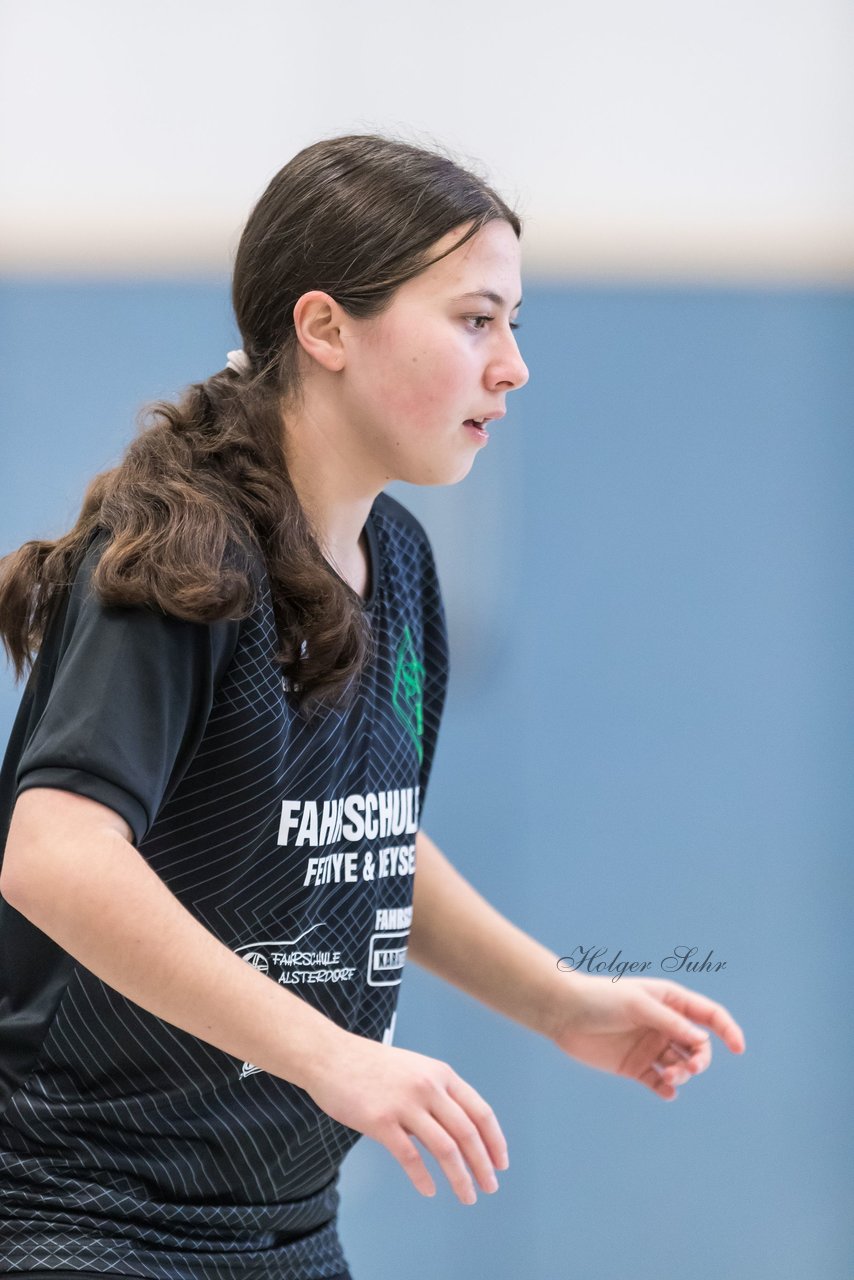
{"type": "Point", "coordinates": [648, 743]}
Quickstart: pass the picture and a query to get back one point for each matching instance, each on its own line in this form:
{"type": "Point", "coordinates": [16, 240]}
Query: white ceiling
{"type": "Point", "coordinates": [657, 138]}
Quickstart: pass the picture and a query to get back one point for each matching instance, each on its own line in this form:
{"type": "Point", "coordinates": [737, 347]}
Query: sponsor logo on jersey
{"type": "Point", "coordinates": [292, 965]}
{"type": "Point", "coordinates": [386, 958]}
{"type": "Point", "coordinates": [407, 695]}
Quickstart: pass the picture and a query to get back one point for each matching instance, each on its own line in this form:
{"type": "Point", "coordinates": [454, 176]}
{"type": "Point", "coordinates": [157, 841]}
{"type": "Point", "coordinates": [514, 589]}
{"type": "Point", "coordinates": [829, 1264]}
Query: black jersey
{"type": "Point", "coordinates": [125, 1143]}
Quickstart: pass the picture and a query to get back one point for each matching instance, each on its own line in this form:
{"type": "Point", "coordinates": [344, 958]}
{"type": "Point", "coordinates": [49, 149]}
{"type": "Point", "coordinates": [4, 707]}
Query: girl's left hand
{"type": "Point", "coordinates": [643, 1028]}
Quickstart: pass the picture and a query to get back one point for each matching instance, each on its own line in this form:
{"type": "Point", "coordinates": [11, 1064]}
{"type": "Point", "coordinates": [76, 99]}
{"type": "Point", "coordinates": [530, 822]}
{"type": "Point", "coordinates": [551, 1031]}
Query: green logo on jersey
{"type": "Point", "coordinates": [408, 693]}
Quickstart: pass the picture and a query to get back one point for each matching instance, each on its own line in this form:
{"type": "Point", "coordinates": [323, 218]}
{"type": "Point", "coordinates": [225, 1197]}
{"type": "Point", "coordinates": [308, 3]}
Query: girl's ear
{"type": "Point", "coordinates": [316, 321]}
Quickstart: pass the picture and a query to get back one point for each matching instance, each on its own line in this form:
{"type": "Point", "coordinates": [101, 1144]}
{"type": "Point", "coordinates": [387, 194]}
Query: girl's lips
{"type": "Point", "coordinates": [476, 429]}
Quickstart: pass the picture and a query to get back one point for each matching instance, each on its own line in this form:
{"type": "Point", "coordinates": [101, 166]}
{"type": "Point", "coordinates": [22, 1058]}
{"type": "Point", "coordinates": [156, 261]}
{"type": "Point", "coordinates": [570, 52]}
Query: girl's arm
{"type": "Point", "coordinates": [628, 1027]}
{"type": "Point", "coordinates": [71, 869]}
{"type": "Point", "coordinates": [460, 937]}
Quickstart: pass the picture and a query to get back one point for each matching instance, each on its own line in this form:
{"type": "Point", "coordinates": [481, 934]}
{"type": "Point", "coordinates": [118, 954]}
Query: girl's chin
{"type": "Point", "coordinates": [450, 475]}
{"type": "Point", "coordinates": [443, 465]}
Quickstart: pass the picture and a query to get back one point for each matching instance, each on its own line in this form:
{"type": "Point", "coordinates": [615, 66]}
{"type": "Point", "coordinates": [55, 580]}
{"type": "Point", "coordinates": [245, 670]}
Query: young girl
{"type": "Point", "coordinates": [212, 794]}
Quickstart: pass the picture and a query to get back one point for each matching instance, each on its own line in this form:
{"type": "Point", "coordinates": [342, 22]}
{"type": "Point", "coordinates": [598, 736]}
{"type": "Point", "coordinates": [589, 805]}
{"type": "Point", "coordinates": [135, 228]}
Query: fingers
{"type": "Point", "coordinates": [656, 1082]}
{"type": "Point", "coordinates": [708, 1013]}
{"type": "Point", "coordinates": [664, 1067]}
{"type": "Point", "coordinates": [670, 1024]}
{"type": "Point", "coordinates": [676, 1066]}
{"type": "Point", "coordinates": [448, 1153]}
{"type": "Point", "coordinates": [485, 1119]}
{"type": "Point", "coordinates": [671, 1068]}
{"type": "Point", "coordinates": [445, 1149]}
{"type": "Point", "coordinates": [669, 1009]}
{"type": "Point", "coordinates": [468, 1138]}
{"type": "Point", "coordinates": [460, 1131]}
{"type": "Point", "coordinates": [407, 1154]}
{"type": "Point", "coordinates": [689, 1051]}
{"type": "Point", "coordinates": [399, 1097]}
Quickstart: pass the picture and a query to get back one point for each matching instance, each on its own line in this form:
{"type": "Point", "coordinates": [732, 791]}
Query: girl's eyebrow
{"type": "Point", "coordinates": [485, 293]}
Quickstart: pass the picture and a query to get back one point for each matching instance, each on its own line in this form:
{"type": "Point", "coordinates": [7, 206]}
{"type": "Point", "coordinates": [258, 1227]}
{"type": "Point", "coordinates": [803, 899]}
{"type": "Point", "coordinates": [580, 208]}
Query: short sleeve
{"type": "Point", "coordinates": [129, 700]}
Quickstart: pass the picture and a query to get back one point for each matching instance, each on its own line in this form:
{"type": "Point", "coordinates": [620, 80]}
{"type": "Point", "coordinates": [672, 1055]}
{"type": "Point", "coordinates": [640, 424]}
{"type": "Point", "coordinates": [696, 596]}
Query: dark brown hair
{"type": "Point", "coordinates": [206, 477]}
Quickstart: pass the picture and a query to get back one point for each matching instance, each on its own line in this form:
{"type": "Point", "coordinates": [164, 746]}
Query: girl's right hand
{"type": "Point", "coordinates": [393, 1095]}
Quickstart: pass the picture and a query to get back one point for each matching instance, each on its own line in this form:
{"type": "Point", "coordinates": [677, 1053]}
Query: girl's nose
{"type": "Point", "coordinates": [511, 372]}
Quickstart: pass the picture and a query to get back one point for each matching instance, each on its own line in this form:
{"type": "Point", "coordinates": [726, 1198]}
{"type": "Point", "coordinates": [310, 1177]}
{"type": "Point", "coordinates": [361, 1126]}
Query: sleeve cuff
{"type": "Point", "coordinates": [93, 788]}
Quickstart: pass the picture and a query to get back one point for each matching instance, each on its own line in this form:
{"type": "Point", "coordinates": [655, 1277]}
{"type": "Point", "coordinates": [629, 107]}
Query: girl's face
{"type": "Point", "coordinates": [441, 353]}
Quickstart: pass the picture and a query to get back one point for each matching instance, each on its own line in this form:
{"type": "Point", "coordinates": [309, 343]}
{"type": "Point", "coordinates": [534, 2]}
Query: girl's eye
{"type": "Point", "coordinates": [476, 318]}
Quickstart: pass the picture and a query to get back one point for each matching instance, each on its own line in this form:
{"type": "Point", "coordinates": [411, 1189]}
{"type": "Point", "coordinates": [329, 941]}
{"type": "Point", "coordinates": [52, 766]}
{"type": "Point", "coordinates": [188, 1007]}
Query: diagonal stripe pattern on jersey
{"type": "Point", "coordinates": [125, 1143]}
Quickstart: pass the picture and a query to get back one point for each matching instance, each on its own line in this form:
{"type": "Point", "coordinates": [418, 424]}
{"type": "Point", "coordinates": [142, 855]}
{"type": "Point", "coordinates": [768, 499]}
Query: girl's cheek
{"type": "Point", "coordinates": [419, 383]}
{"type": "Point", "coordinates": [415, 398]}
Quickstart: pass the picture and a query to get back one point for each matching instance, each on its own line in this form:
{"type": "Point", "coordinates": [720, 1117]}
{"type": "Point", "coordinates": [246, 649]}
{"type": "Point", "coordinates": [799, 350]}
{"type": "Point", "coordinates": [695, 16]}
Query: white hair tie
{"type": "Point", "coordinates": [238, 361]}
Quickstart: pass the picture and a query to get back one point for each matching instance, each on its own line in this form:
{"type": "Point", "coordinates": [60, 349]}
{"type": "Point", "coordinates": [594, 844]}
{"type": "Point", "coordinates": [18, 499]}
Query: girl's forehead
{"type": "Point", "coordinates": [489, 262]}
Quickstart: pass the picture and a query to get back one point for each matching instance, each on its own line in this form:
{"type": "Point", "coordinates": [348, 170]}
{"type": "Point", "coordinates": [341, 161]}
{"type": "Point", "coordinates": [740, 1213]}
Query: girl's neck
{"type": "Point", "coordinates": [335, 495]}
